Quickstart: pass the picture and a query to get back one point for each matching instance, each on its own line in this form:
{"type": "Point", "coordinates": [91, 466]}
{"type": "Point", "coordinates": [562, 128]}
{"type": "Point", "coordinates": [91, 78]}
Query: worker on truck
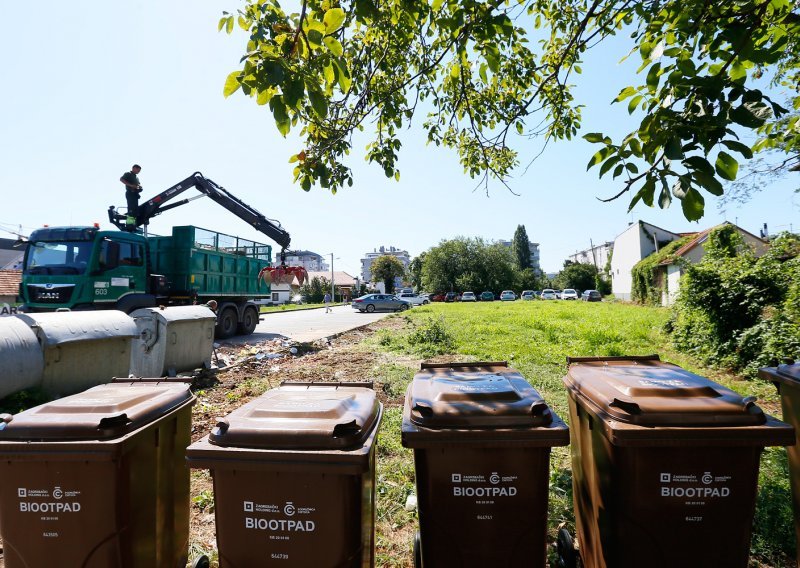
{"type": "Point", "coordinates": [132, 190]}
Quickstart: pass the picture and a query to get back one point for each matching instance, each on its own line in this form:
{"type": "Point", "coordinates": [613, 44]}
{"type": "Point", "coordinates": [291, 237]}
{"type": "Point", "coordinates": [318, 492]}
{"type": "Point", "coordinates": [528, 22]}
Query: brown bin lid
{"type": "Point", "coordinates": [101, 412]}
{"type": "Point", "coordinates": [315, 416]}
{"type": "Point", "coordinates": [786, 374]}
{"type": "Point", "coordinates": [475, 395]}
{"type": "Point", "coordinates": [649, 392]}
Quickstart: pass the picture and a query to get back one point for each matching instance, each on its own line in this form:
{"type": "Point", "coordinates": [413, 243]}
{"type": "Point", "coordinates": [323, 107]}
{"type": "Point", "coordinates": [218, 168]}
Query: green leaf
{"type": "Point", "coordinates": [681, 186]}
{"type": "Point", "coordinates": [672, 149]}
{"type": "Point", "coordinates": [314, 38]}
{"type": "Point", "coordinates": [231, 84]}
{"type": "Point", "coordinates": [221, 24]}
{"type": "Point", "coordinates": [625, 93]}
{"type": "Point", "coordinates": [333, 19]}
{"type": "Point", "coordinates": [436, 5]}
{"type": "Point", "coordinates": [343, 75]}
{"type": "Point", "coordinates": [646, 192]}
{"type": "Point", "coordinates": [653, 75]}
{"type": "Point", "coordinates": [664, 198]}
{"type": "Point", "coordinates": [634, 102]}
{"type": "Point", "coordinates": [330, 76]}
{"type": "Point", "coordinates": [727, 167]}
{"type": "Point", "coordinates": [318, 102]}
{"type": "Point", "coordinates": [229, 24]}
{"type": "Point", "coordinates": [608, 164]}
{"type": "Point", "coordinates": [709, 182]}
{"type": "Point", "coordinates": [279, 114]}
{"type": "Point", "coordinates": [751, 114]}
{"type": "Point", "coordinates": [699, 163]}
{"type": "Point", "coordinates": [693, 205]}
{"type": "Point", "coordinates": [593, 137]}
{"type": "Point", "coordinates": [743, 149]}
{"type": "Point", "coordinates": [264, 96]}
{"type": "Point", "coordinates": [599, 156]}
{"type": "Point", "coordinates": [334, 45]}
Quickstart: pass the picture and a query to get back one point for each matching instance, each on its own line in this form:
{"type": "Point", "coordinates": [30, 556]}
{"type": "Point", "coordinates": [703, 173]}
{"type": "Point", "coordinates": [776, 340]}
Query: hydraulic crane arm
{"type": "Point", "coordinates": [207, 188]}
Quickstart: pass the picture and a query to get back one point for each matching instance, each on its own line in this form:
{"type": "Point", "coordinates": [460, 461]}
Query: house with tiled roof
{"type": "Point", "coordinates": [11, 253]}
{"type": "Point", "coordinates": [9, 289]}
{"type": "Point", "coordinates": [691, 252]}
{"type": "Point", "coordinates": [343, 282]}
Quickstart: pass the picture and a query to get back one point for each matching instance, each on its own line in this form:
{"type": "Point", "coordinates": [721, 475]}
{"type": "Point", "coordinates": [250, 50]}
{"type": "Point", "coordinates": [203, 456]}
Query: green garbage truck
{"type": "Point", "coordinates": [85, 268]}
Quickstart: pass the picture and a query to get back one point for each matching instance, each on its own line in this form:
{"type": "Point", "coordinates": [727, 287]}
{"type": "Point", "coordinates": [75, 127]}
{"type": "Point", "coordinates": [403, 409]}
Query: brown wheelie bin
{"type": "Point", "coordinates": [786, 379]}
{"type": "Point", "coordinates": [98, 479]}
{"type": "Point", "coordinates": [481, 437]}
{"type": "Point", "coordinates": [293, 475]}
{"type": "Point", "coordinates": [664, 464]}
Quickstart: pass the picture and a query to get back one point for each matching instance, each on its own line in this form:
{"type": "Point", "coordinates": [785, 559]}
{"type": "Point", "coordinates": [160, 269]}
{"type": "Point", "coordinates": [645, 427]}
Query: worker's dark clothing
{"type": "Point", "coordinates": [131, 195]}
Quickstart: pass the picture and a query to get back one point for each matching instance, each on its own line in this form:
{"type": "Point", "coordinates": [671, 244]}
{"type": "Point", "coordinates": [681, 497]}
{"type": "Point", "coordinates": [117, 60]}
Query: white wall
{"type": "Point", "coordinates": [635, 243]}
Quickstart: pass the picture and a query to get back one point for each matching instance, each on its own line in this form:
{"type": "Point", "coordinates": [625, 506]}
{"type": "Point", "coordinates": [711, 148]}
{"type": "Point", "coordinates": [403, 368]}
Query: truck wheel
{"type": "Point", "coordinates": [249, 321]}
{"type": "Point", "coordinates": [226, 323]}
{"type": "Point", "coordinates": [370, 308]}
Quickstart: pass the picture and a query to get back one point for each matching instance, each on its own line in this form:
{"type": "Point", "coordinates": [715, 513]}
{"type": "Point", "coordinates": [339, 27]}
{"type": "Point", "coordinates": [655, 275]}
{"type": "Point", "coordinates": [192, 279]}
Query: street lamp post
{"type": "Point", "coordinates": [333, 291]}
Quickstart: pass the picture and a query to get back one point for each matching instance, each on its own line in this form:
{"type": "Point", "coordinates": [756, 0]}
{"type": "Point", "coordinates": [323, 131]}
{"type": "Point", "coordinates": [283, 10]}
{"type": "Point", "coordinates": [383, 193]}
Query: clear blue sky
{"type": "Point", "coordinates": [92, 87]}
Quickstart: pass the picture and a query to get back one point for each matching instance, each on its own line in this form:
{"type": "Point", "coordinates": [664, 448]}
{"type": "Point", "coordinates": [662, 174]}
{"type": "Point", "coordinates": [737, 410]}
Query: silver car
{"type": "Point", "coordinates": [373, 302]}
{"type": "Point", "coordinates": [549, 294]}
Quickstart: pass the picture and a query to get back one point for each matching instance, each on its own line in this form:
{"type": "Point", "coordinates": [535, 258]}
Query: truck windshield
{"type": "Point", "coordinates": [64, 257]}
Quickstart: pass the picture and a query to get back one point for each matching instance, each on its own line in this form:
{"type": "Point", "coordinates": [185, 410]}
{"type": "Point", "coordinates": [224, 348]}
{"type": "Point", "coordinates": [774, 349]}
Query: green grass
{"type": "Point", "coordinates": [536, 338]}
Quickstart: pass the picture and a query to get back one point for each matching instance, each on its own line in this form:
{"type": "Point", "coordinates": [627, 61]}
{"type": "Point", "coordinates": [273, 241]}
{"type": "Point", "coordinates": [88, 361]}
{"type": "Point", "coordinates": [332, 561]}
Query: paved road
{"type": "Point", "coordinates": [307, 325]}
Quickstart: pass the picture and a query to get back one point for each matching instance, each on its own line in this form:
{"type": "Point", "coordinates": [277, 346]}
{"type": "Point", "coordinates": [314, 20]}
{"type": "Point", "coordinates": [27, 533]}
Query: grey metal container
{"type": "Point", "coordinates": [82, 349]}
{"type": "Point", "coordinates": [20, 356]}
{"type": "Point", "coordinates": [172, 340]}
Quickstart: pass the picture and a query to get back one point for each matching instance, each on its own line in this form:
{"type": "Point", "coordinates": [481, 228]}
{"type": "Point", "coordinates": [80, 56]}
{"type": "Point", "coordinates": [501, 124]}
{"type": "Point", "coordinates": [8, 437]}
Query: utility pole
{"type": "Point", "coordinates": [333, 290]}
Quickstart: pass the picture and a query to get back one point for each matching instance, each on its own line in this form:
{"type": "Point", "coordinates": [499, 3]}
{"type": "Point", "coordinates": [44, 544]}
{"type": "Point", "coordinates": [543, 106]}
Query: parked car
{"type": "Point", "coordinates": [569, 294]}
{"type": "Point", "coordinates": [507, 296]}
{"type": "Point", "coordinates": [413, 298]}
{"type": "Point", "coordinates": [549, 294]}
{"type": "Point", "coordinates": [591, 296]}
{"type": "Point", "coordinates": [558, 294]}
{"type": "Point", "coordinates": [538, 294]}
{"type": "Point", "coordinates": [487, 296]}
{"type": "Point", "coordinates": [527, 295]}
{"type": "Point", "coordinates": [468, 297]}
{"type": "Point", "coordinates": [373, 302]}
{"type": "Point", "coordinates": [452, 297]}
{"type": "Point", "coordinates": [437, 298]}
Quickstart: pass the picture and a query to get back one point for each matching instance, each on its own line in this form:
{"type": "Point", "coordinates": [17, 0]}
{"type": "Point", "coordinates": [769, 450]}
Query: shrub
{"type": "Point", "coordinates": [431, 338]}
{"type": "Point", "coordinates": [738, 311]}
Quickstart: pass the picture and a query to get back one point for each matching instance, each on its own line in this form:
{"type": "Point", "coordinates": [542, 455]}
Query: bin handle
{"type": "Point", "coordinates": [111, 422]}
{"type": "Point", "coordinates": [346, 429]}
{"type": "Point", "coordinates": [222, 425]}
{"type": "Point", "coordinates": [540, 408]}
{"type": "Point", "coordinates": [423, 409]}
{"type": "Point", "coordinates": [750, 406]}
{"type": "Point", "coordinates": [5, 419]}
{"type": "Point", "coordinates": [627, 405]}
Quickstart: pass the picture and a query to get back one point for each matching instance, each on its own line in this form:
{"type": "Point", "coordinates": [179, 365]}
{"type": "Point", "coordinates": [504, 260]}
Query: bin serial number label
{"type": "Point", "coordinates": [279, 556]}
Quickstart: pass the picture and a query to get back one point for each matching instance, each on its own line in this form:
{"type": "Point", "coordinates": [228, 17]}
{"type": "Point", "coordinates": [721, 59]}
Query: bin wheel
{"type": "Point", "coordinates": [417, 552]}
{"type": "Point", "coordinates": [201, 562]}
{"type": "Point", "coordinates": [565, 545]}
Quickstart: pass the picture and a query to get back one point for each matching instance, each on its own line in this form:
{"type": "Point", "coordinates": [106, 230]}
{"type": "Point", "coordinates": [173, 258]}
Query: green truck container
{"type": "Point", "coordinates": [84, 268]}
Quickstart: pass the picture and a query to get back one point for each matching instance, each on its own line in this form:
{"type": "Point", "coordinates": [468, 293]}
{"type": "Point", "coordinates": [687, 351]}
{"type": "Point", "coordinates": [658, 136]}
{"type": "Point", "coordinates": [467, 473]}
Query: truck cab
{"type": "Point", "coordinates": [85, 268]}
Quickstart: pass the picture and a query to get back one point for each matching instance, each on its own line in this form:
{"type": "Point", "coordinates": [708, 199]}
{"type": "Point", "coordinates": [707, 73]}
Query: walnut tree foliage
{"type": "Point", "coordinates": [484, 72]}
{"type": "Point", "coordinates": [385, 269]}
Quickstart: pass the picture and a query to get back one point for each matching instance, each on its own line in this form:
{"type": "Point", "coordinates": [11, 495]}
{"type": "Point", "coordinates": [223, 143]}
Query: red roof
{"type": "Point", "coordinates": [9, 282]}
